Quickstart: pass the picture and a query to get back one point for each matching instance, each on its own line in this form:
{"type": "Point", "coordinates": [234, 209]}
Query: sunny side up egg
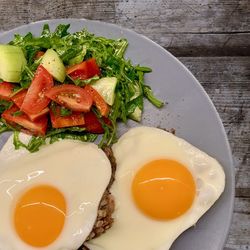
{"type": "Point", "coordinates": [49, 199]}
{"type": "Point", "coordinates": [163, 185]}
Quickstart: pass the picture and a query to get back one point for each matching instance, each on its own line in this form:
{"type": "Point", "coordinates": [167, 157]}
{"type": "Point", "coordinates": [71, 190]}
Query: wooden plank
{"type": "Point", "coordinates": [191, 28]}
{"type": "Point", "coordinates": [164, 16]}
{"type": "Point", "coordinates": [185, 16]}
{"type": "Point", "coordinates": [205, 44]}
{"type": "Point", "coordinates": [239, 232]}
{"type": "Point", "coordinates": [24, 12]}
{"type": "Point", "coordinates": [184, 27]}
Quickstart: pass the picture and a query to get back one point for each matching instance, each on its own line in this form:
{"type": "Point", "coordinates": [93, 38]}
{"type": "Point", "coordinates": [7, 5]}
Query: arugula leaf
{"type": "Point", "coordinates": [150, 96]}
{"type": "Point", "coordinates": [36, 142]}
{"type": "Point", "coordinates": [17, 142]}
{"type": "Point", "coordinates": [17, 113]}
{"type": "Point", "coordinates": [81, 83]}
{"type": "Point", "coordinates": [120, 47]}
{"type": "Point", "coordinates": [62, 130]}
{"type": "Point", "coordinates": [65, 112]}
{"type": "Point", "coordinates": [11, 128]}
{"type": "Point", "coordinates": [109, 135]}
{"type": "Point", "coordinates": [132, 105]}
{"type": "Point", "coordinates": [45, 31]}
{"type": "Point", "coordinates": [79, 57]}
{"type": "Point", "coordinates": [16, 89]}
{"type": "Point", "coordinates": [33, 145]}
{"type": "Point", "coordinates": [3, 128]}
{"type": "Point", "coordinates": [71, 53]}
{"type": "Point", "coordinates": [83, 137]}
{"type": "Point", "coordinates": [143, 69]}
{"type": "Point", "coordinates": [62, 30]}
{"type": "Point", "coordinates": [26, 77]}
{"type": "Point", "coordinates": [4, 105]}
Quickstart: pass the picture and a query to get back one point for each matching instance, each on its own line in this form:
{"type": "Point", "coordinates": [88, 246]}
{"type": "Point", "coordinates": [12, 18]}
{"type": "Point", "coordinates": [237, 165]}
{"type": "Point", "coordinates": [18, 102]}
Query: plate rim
{"type": "Point", "coordinates": [165, 51]}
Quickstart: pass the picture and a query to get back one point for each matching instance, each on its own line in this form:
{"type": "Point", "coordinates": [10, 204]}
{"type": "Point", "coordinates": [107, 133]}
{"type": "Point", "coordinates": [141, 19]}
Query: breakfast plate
{"type": "Point", "coordinates": [187, 109]}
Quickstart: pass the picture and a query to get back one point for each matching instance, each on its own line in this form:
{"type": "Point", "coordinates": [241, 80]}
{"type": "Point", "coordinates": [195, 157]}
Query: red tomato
{"type": "Point", "coordinates": [84, 70]}
{"type": "Point", "coordinates": [92, 123]}
{"type": "Point", "coordinates": [39, 54]}
{"type": "Point", "coordinates": [92, 67]}
{"type": "Point", "coordinates": [36, 128]}
{"type": "Point", "coordinates": [35, 100]}
{"type": "Point", "coordinates": [98, 100]}
{"type": "Point", "coordinates": [19, 97]}
{"type": "Point", "coordinates": [58, 121]}
{"type": "Point", "coordinates": [38, 115]}
{"type": "Point", "coordinates": [18, 100]}
{"type": "Point", "coordinates": [6, 90]}
{"type": "Point", "coordinates": [71, 96]}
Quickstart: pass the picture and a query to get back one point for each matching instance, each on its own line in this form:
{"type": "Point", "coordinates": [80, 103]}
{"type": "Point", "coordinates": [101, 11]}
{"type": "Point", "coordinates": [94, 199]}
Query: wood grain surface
{"type": "Point", "coordinates": [211, 37]}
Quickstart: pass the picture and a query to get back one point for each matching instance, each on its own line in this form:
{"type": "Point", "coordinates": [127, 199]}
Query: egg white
{"type": "Point", "coordinates": [81, 171]}
{"type": "Point", "coordinates": [133, 230]}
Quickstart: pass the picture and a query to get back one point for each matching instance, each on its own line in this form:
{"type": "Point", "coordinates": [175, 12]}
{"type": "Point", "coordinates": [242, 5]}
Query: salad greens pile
{"type": "Point", "coordinates": [72, 49]}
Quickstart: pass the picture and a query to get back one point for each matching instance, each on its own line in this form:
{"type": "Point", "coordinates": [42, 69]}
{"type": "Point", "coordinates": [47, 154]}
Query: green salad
{"type": "Point", "coordinates": [69, 85]}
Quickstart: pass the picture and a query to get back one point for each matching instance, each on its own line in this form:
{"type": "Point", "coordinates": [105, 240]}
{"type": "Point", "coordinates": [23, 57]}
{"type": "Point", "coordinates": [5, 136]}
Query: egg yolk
{"type": "Point", "coordinates": [39, 215]}
{"type": "Point", "coordinates": [163, 189]}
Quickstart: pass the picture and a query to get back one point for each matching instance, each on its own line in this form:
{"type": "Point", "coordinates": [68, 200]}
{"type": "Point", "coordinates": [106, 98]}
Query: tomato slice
{"type": "Point", "coordinates": [18, 100]}
{"type": "Point", "coordinates": [6, 90]}
{"type": "Point", "coordinates": [58, 121]}
{"type": "Point", "coordinates": [19, 97]}
{"type": "Point", "coordinates": [71, 96]}
{"type": "Point", "coordinates": [84, 70]}
{"type": "Point", "coordinates": [35, 100]}
{"type": "Point", "coordinates": [39, 54]}
{"type": "Point", "coordinates": [92, 67]}
{"type": "Point", "coordinates": [98, 100]}
{"type": "Point", "coordinates": [92, 123]}
{"type": "Point", "coordinates": [35, 127]}
{"type": "Point", "coordinates": [35, 117]}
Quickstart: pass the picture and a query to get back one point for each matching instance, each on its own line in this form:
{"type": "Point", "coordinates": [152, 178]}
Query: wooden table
{"type": "Point", "coordinates": [211, 37]}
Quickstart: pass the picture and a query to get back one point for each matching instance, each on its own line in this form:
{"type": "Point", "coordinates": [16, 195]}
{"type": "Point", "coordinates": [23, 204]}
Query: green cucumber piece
{"type": "Point", "coordinates": [106, 88]}
{"type": "Point", "coordinates": [136, 115]}
{"type": "Point", "coordinates": [12, 63]}
{"type": "Point", "coordinates": [54, 65]}
{"type": "Point", "coordinates": [137, 92]}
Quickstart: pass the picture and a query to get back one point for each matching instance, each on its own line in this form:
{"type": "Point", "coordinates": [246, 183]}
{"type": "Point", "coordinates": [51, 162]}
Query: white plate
{"type": "Point", "coordinates": [189, 111]}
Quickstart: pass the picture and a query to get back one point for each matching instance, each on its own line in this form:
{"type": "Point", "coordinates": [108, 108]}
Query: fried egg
{"type": "Point", "coordinates": [49, 199]}
{"type": "Point", "coordinates": [163, 185]}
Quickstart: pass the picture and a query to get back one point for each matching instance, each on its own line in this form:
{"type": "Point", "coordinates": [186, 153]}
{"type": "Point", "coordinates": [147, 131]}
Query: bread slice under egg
{"type": "Point", "coordinates": [104, 219]}
{"type": "Point", "coordinates": [107, 205]}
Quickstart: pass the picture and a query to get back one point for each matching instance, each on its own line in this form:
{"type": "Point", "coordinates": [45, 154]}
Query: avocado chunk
{"type": "Point", "coordinates": [54, 65]}
{"type": "Point", "coordinates": [106, 88]}
{"type": "Point", "coordinates": [12, 63]}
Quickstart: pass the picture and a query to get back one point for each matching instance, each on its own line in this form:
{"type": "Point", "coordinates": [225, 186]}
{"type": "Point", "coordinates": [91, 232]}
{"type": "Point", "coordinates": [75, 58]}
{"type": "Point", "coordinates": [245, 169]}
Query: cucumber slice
{"type": "Point", "coordinates": [137, 92]}
{"type": "Point", "coordinates": [53, 63]}
{"type": "Point", "coordinates": [12, 62]}
{"type": "Point", "coordinates": [106, 88]}
{"type": "Point", "coordinates": [136, 115]}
